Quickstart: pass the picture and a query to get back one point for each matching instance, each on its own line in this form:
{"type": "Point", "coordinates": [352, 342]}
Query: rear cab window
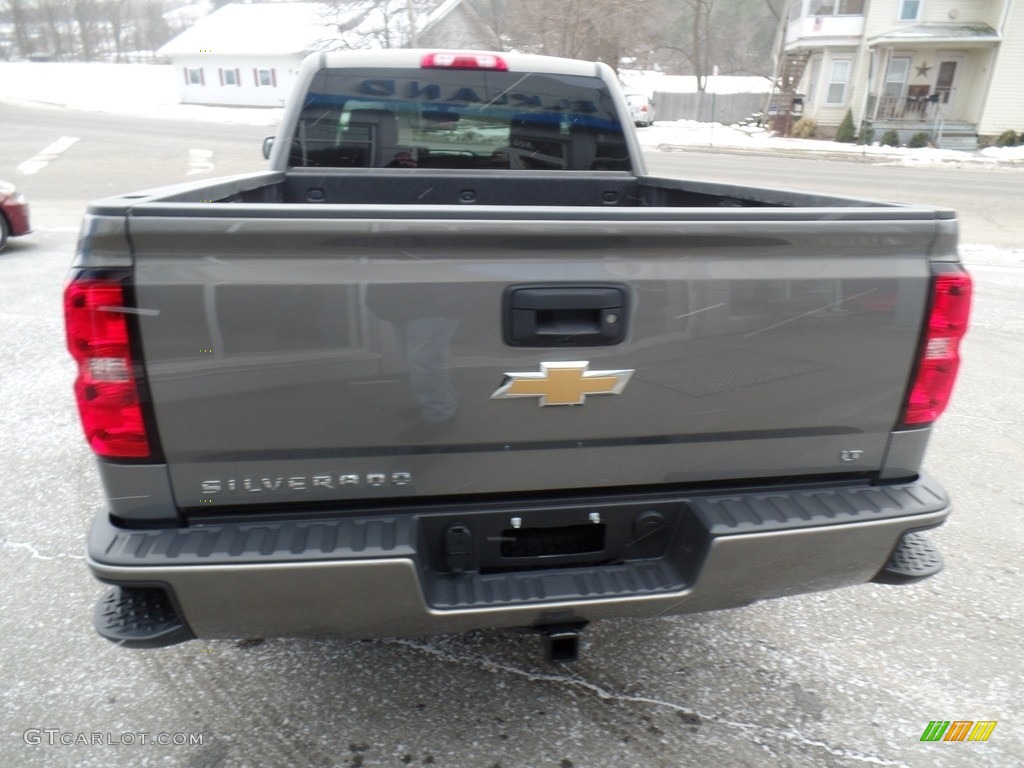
{"type": "Point", "coordinates": [422, 118]}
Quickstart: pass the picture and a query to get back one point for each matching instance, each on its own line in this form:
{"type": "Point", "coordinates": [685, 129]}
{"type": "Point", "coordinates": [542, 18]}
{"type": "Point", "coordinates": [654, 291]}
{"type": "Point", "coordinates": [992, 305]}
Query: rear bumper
{"type": "Point", "coordinates": [394, 574]}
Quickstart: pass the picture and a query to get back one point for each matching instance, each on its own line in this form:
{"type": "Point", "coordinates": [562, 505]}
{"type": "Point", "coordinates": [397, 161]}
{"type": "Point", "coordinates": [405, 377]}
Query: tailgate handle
{"type": "Point", "coordinates": [565, 316]}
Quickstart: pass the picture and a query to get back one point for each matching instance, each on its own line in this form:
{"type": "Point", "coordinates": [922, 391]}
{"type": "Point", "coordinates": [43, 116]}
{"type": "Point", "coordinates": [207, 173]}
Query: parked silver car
{"type": "Point", "coordinates": [641, 109]}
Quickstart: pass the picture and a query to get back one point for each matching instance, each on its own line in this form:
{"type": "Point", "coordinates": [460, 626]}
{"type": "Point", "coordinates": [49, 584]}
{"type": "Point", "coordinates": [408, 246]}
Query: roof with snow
{"type": "Point", "coordinates": [935, 33]}
{"type": "Point", "coordinates": [286, 28]}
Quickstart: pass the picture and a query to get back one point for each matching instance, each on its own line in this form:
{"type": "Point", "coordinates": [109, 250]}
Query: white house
{"type": "Point", "coordinates": [948, 68]}
{"type": "Point", "coordinates": [249, 54]}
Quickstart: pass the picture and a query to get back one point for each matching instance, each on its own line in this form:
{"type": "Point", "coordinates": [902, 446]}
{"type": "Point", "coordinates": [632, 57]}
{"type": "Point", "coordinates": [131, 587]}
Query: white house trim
{"type": "Point", "coordinates": [223, 54]}
{"type": "Point", "coordinates": [960, 64]}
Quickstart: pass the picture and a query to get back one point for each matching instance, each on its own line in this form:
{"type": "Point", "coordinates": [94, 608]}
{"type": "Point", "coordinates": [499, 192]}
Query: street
{"type": "Point", "coordinates": [835, 679]}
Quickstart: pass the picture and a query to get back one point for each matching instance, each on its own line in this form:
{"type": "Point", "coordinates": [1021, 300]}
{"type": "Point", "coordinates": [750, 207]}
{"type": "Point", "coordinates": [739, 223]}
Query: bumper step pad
{"type": "Point", "coordinates": [139, 617]}
{"type": "Point", "coordinates": [915, 558]}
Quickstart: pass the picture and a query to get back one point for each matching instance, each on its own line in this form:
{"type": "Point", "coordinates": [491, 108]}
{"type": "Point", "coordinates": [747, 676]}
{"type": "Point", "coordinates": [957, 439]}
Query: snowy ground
{"type": "Point", "coordinates": [150, 90]}
{"type": "Point", "coordinates": [687, 133]}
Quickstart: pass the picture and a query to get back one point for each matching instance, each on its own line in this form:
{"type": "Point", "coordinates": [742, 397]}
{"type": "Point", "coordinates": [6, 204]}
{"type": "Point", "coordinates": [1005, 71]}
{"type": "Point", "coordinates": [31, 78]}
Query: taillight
{"type": "Point", "coordinates": [939, 357]}
{"type": "Point", "coordinates": [453, 60]}
{"type": "Point", "coordinates": [108, 398]}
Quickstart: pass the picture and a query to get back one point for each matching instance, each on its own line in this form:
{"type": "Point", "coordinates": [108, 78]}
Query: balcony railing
{"type": "Point", "coordinates": [901, 107]}
{"type": "Point", "coordinates": [824, 26]}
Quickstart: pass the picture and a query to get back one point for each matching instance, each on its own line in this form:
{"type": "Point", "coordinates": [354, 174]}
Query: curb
{"type": "Point", "coordinates": [824, 154]}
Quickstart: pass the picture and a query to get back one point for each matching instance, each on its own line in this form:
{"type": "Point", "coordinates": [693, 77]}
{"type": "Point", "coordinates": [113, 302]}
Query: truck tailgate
{"type": "Point", "coordinates": [342, 356]}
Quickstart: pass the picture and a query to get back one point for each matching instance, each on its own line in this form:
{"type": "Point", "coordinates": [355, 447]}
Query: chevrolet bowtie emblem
{"type": "Point", "coordinates": [563, 383]}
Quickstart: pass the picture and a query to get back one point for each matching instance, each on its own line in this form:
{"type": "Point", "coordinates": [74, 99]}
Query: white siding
{"type": "Point", "coordinates": [817, 106]}
{"type": "Point", "coordinates": [883, 15]}
{"type": "Point", "coordinates": [975, 94]}
{"type": "Point", "coordinates": [248, 90]}
{"type": "Point", "coordinates": [938, 11]}
{"type": "Point", "coordinates": [1004, 108]}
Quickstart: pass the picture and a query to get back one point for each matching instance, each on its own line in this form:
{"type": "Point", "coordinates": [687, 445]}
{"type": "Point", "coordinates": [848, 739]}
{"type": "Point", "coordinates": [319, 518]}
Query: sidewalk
{"type": "Point", "coordinates": [686, 135]}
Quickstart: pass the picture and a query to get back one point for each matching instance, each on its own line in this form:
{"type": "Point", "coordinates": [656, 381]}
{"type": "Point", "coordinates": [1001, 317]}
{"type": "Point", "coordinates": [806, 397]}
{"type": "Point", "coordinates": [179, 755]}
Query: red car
{"type": "Point", "coordinates": [13, 213]}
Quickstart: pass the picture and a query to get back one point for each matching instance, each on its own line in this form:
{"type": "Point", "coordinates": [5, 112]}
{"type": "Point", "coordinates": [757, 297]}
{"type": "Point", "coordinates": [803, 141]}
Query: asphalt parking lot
{"type": "Point", "coordinates": [845, 678]}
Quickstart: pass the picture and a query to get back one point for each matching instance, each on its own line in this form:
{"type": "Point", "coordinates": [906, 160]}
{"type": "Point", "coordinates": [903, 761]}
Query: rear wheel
{"type": "Point", "coordinates": [3, 232]}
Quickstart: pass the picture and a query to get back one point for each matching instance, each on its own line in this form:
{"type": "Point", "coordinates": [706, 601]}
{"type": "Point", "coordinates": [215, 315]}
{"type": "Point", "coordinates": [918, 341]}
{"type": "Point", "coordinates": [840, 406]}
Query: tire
{"type": "Point", "coordinates": [3, 231]}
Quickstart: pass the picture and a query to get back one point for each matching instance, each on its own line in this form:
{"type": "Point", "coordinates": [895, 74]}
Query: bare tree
{"type": "Point", "coordinates": [84, 29]}
{"type": "Point", "coordinates": [700, 49]}
{"type": "Point", "coordinates": [118, 17]}
{"type": "Point", "coordinates": [151, 28]}
{"type": "Point", "coordinates": [734, 36]}
{"type": "Point", "coordinates": [492, 14]}
{"type": "Point", "coordinates": [84, 14]}
{"type": "Point", "coordinates": [18, 11]}
{"type": "Point", "coordinates": [695, 25]}
{"type": "Point", "coordinates": [603, 30]}
{"type": "Point", "coordinates": [680, 35]}
{"type": "Point", "coordinates": [55, 18]}
{"type": "Point", "coordinates": [373, 23]}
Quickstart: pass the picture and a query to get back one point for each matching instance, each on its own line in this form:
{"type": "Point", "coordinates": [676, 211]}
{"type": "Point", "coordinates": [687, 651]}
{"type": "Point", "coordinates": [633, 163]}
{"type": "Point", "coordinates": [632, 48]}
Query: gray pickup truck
{"type": "Point", "coordinates": [456, 361]}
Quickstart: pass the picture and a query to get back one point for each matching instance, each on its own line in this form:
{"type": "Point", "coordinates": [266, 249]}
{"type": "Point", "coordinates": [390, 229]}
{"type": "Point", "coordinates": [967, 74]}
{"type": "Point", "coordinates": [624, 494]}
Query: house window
{"type": "Point", "coordinates": [896, 76]}
{"type": "Point", "coordinates": [910, 10]}
{"type": "Point", "coordinates": [837, 81]}
{"type": "Point", "coordinates": [266, 77]}
{"type": "Point", "coordinates": [837, 7]}
{"type": "Point", "coordinates": [230, 77]}
{"type": "Point", "coordinates": [194, 76]}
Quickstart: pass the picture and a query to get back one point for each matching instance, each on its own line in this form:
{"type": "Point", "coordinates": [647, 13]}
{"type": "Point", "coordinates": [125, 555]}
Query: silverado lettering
{"type": "Point", "coordinates": [303, 483]}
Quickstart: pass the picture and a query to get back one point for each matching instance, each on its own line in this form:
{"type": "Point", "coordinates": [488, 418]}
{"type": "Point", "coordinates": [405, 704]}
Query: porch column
{"type": "Point", "coordinates": [862, 117]}
{"type": "Point", "coordinates": [885, 56]}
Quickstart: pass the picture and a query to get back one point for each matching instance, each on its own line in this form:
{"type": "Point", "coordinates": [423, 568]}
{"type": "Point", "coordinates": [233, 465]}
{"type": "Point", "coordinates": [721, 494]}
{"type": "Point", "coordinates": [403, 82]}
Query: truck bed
{"type": "Point", "coordinates": [300, 187]}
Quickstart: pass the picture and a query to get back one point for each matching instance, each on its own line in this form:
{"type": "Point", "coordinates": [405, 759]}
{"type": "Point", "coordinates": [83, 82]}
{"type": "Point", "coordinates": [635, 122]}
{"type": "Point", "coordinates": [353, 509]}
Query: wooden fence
{"type": "Point", "coordinates": [705, 107]}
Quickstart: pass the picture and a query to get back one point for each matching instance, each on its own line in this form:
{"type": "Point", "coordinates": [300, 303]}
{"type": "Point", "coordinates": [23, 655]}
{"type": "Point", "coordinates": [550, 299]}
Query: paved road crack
{"type": "Point", "coordinates": [754, 730]}
{"type": "Point", "coordinates": [36, 554]}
